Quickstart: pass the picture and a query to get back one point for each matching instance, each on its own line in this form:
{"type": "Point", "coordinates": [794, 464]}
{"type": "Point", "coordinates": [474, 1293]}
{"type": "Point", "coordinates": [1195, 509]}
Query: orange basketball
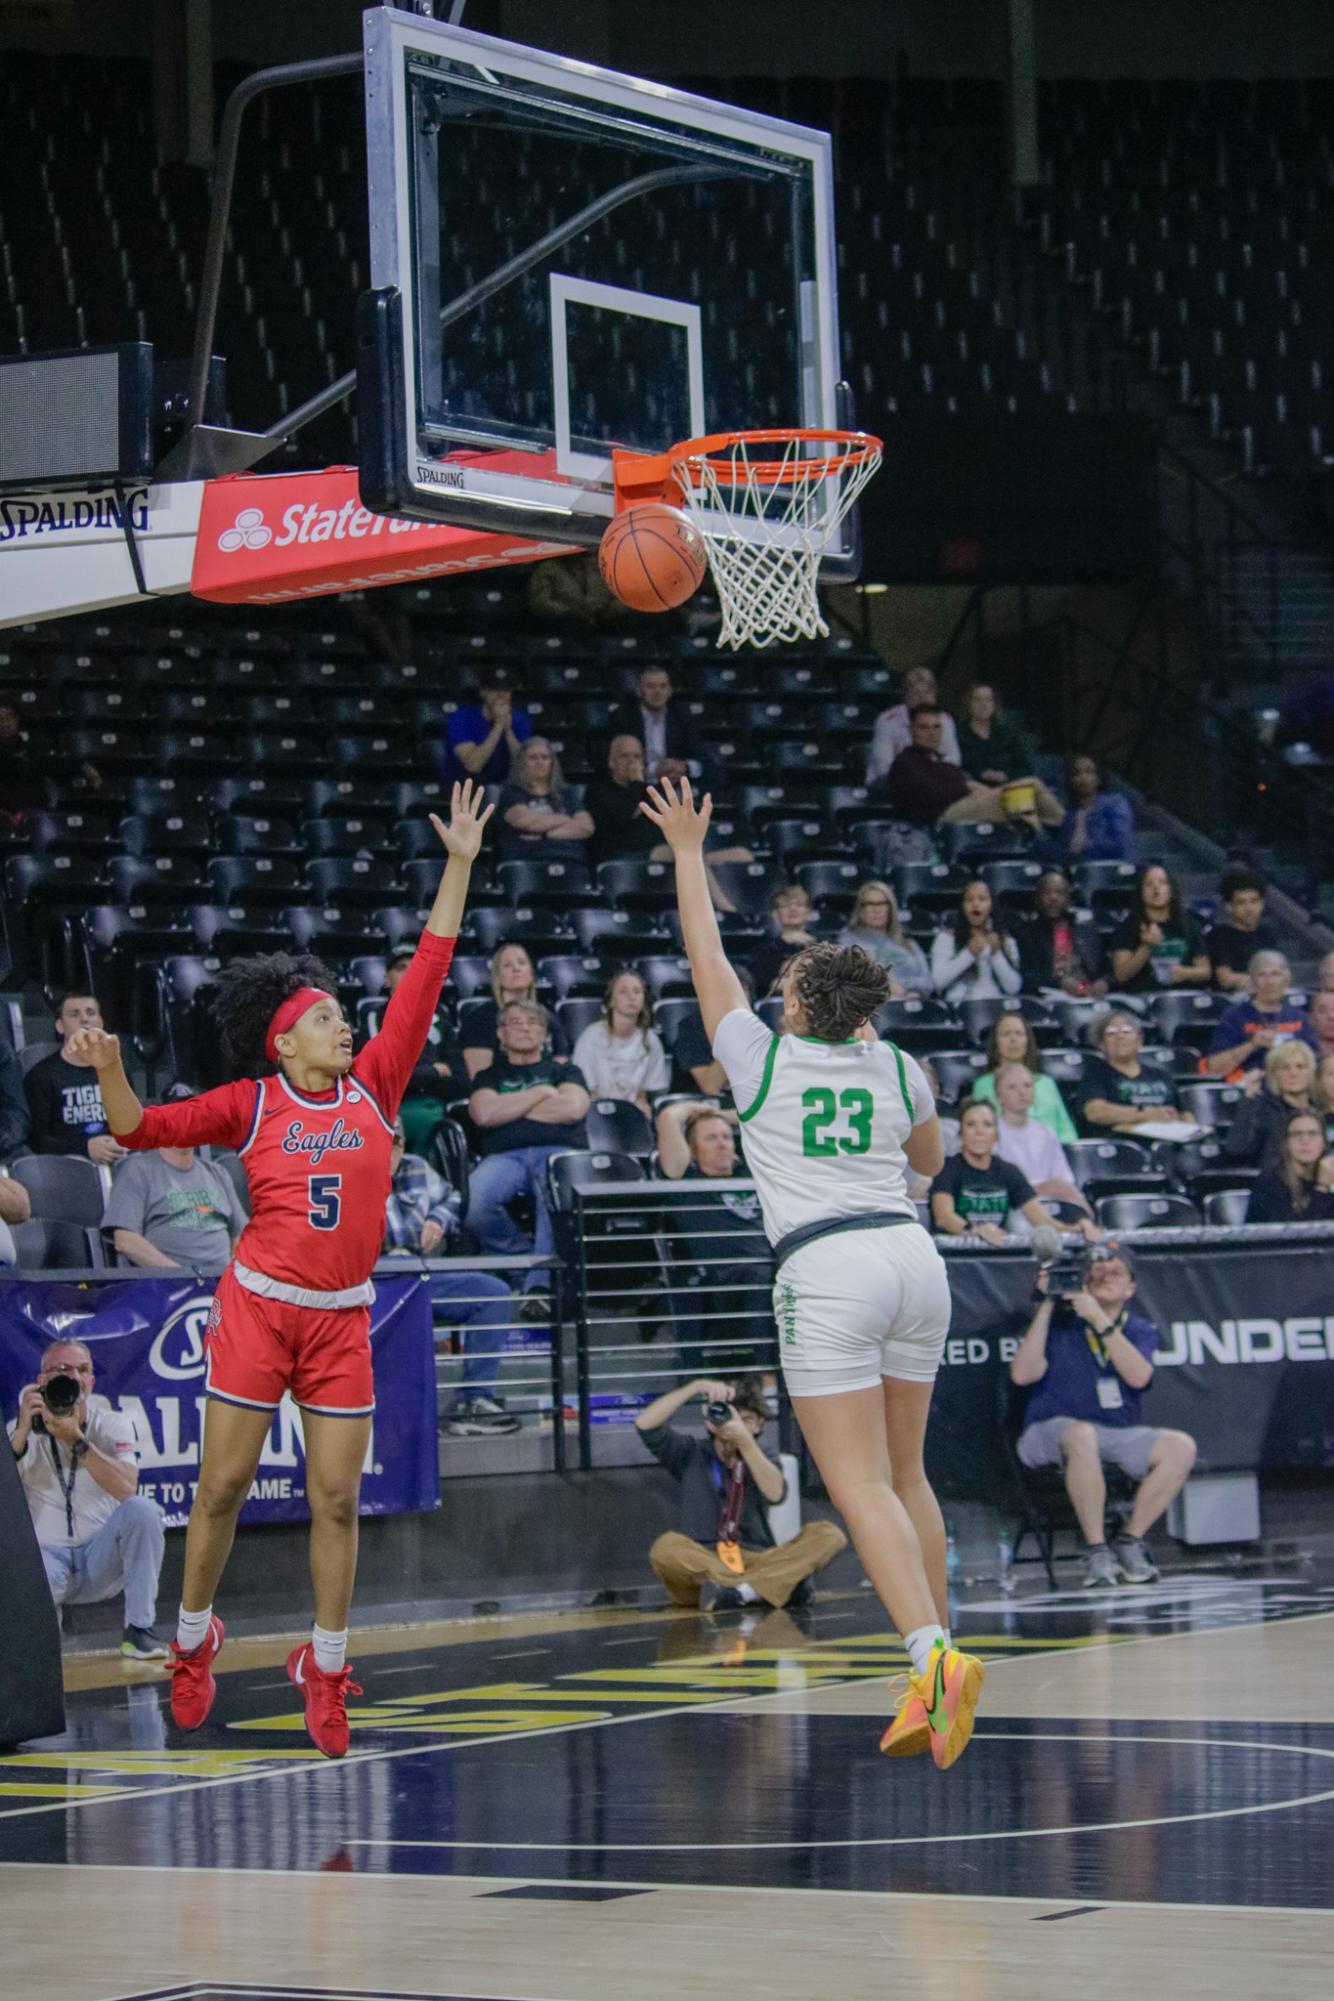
{"type": "Point", "coordinates": [652, 557]}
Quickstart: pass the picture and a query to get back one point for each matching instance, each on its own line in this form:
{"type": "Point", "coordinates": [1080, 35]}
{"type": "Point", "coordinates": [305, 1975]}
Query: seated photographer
{"type": "Point", "coordinates": [975, 1191]}
{"type": "Point", "coordinates": [79, 1464]}
{"type": "Point", "coordinates": [724, 1553]}
{"type": "Point", "coordinates": [1090, 1359]}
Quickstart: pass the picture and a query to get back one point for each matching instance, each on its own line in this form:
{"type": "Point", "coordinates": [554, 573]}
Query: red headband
{"type": "Point", "coordinates": [291, 1011]}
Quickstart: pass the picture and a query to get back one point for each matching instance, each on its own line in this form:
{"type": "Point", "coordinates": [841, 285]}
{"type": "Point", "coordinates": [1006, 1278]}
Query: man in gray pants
{"type": "Point", "coordinates": [80, 1473]}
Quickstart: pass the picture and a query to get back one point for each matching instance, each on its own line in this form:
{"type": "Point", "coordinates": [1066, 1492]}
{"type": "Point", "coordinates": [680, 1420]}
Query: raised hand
{"type": "Point", "coordinates": [682, 824]}
{"type": "Point", "coordinates": [463, 836]}
{"type": "Point", "coordinates": [95, 1046]}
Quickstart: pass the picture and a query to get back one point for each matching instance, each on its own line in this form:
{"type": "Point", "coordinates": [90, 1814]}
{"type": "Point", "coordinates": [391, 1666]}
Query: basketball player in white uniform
{"type": "Point", "coordinates": [831, 1122]}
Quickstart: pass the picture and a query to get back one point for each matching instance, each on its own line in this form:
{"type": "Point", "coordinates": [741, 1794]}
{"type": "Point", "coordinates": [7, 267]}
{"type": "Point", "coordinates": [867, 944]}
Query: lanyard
{"type": "Point", "coordinates": [66, 1486]}
{"type": "Point", "coordinates": [1098, 1343]}
{"type": "Point", "coordinates": [729, 1519]}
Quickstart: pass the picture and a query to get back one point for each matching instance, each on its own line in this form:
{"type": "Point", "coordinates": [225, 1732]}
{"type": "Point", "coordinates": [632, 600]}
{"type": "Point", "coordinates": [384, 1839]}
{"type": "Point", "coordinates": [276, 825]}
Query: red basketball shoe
{"type": "Point", "coordinates": [192, 1685]}
{"type": "Point", "coordinates": [326, 1700]}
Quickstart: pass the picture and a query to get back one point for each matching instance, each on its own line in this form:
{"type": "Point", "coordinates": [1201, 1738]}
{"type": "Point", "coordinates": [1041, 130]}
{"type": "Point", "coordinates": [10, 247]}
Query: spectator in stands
{"type": "Point", "coordinates": [1321, 1016]}
{"type": "Point", "coordinates": [513, 978]}
{"type": "Point", "coordinates": [1012, 1041]}
{"type": "Point", "coordinates": [1098, 825]}
{"type": "Point", "coordinates": [483, 738]}
{"type": "Point", "coordinates": [422, 1216]}
{"type": "Point", "coordinates": [525, 1107]}
{"type": "Point", "coordinates": [975, 1192]}
{"type": "Point", "coordinates": [673, 745]}
{"type": "Point", "coordinates": [1232, 944]}
{"type": "Point", "coordinates": [172, 1210]}
{"type": "Point", "coordinates": [695, 1137]}
{"type": "Point", "coordinates": [80, 1472]}
{"type": "Point", "coordinates": [621, 831]}
{"type": "Point", "coordinates": [1158, 943]}
{"type": "Point", "coordinates": [13, 1104]}
{"type": "Point", "coordinates": [65, 1112]}
{"type": "Point", "coordinates": [893, 728]}
{"type": "Point", "coordinates": [696, 1143]}
{"type": "Point", "coordinates": [974, 960]}
{"type": "Point", "coordinates": [694, 1064]}
{"type": "Point", "coordinates": [724, 1554]}
{"type": "Point", "coordinates": [1031, 1146]}
{"type": "Point", "coordinates": [926, 790]}
{"type": "Point", "coordinates": [1056, 950]}
{"type": "Point", "coordinates": [442, 1073]}
{"type": "Point", "coordinates": [994, 747]}
{"type": "Point", "coordinates": [1286, 1085]}
{"type": "Point", "coordinates": [919, 1185]}
{"type": "Point", "coordinates": [1253, 1025]}
{"type": "Point", "coordinates": [622, 1055]}
{"type": "Point", "coordinates": [790, 912]}
{"type": "Point", "coordinates": [1116, 1089]}
{"type": "Point", "coordinates": [875, 925]}
{"type": "Point", "coordinates": [1090, 1359]}
{"type": "Point", "coordinates": [382, 620]}
{"type": "Point", "coordinates": [1324, 1093]}
{"type": "Point", "coordinates": [21, 786]}
{"type": "Point", "coordinates": [1325, 974]}
{"type": "Point", "coordinates": [1301, 1188]}
{"type": "Point", "coordinates": [539, 821]}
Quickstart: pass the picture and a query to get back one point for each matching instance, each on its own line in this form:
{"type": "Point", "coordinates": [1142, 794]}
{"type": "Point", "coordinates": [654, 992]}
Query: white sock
{"type": "Point", "coordinates": [330, 1650]}
{"type": "Point", "coordinates": [919, 1645]}
{"type": "Point", "coordinates": [747, 1593]}
{"type": "Point", "coordinates": [948, 1641]}
{"type": "Point", "coordinates": [192, 1628]}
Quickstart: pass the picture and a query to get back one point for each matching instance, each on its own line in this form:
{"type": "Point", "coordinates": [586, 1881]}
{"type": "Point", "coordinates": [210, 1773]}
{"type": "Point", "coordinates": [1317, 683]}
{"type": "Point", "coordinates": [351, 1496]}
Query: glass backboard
{"type": "Point", "coordinates": [567, 260]}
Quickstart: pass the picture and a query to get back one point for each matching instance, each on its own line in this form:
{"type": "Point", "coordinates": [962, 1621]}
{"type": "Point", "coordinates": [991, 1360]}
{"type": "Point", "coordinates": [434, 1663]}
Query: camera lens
{"type": "Point", "coordinates": [60, 1394]}
{"type": "Point", "coordinates": [717, 1413]}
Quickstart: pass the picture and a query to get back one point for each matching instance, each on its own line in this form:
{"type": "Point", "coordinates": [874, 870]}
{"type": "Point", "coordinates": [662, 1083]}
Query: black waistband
{"type": "Point", "coordinates": [796, 1240]}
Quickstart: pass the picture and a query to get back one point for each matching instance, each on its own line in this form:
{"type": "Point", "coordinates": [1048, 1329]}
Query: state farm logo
{"type": "Point", "coordinates": [248, 531]}
{"type": "Point", "coordinates": [178, 1351]}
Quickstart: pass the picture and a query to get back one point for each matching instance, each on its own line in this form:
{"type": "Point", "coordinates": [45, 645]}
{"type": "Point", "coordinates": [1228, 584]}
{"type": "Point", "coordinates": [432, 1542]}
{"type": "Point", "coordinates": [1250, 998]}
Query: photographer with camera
{"type": "Point", "coordinates": [724, 1554]}
{"type": "Point", "coordinates": [79, 1463]}
{"type": "Point", "coordinates": [1090, 1359]}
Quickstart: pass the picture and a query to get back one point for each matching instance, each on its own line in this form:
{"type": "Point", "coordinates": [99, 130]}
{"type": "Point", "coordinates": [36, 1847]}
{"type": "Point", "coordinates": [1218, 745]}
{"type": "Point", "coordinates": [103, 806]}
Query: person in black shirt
{"type": "Point", "coordinates": [1158, 943]}
{"type": "Point", "coordinates": [1232, 944]}
{"type": "Point", "coordinates": [1301, 1188]}
{"type": "Point", "coordinates": [525, 1107]}
{"type": "Point", "coordinates": [1058, 946]}
{"type": "Point", "coordinates": [671, 737]}
{"type": "Point", "coordinates": [620, 830]}
{"type": "Point", "coordinates": [974, 1193]}
{"type": "Point", "coordinates": [64, 1098]}
{"type": "Point", "coordinates": [1115, 1088]}
{"type": "Point", "coordinates": [724, 1553]}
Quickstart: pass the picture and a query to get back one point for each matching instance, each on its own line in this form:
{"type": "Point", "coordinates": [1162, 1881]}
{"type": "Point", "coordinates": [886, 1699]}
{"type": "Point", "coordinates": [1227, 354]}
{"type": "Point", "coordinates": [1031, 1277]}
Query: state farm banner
{"type": "Point", "coordinates": [269, 538]}
{"type": "Point", "coordinates": [146, 1336]}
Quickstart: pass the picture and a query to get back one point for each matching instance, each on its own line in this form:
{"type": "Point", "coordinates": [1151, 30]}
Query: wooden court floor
{"type": "Point", "coordinates": [598, 1806]}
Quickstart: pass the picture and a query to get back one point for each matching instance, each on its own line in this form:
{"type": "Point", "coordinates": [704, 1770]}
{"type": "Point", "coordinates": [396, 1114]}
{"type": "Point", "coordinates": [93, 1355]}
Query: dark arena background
{"type": "Point", "coordinates": [318, 330]}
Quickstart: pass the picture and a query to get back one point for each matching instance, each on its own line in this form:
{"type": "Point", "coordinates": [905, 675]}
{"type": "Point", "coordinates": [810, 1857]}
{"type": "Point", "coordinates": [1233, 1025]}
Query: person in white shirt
{"type": "Point", "coordinates": [832, 1124]}
{"type": "Point", "coordinates": [973, 960]}
{"type": "Point", "coordinates": [622, 1055]}
{"type": "Point", "coordinates": [1029, 1145]}
{"type": "Point", "coordinates": [80, 1472]}
{"type": "Point", "coordinates": [893, 729]}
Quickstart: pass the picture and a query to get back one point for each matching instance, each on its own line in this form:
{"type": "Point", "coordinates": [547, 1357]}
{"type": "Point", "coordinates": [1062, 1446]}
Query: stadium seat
{"type": "Point", "coordinates": [573, 977]}
{"type": "Point", "coordinates": [575, 1015]}
{"type": "Point", "coordinates": [1146, 1212]}
{"type": "Point", "coordinates": [957, 1070]}
{"type": "Point", "coordinates": [616, 1126]}
{"type": "Point", "coordinates": [1225, 1208]}
{"type": "Point", "coordinates": [1113, 1167]}
{"type": "Point", "coordinates": [1210, 1104]}
{"type": "Point", "coordinates": [568, 1171]}
{"type": "Point", "coordinates": [63, 1187]}
{"type": "Point", "coordinates": [668, 1016]}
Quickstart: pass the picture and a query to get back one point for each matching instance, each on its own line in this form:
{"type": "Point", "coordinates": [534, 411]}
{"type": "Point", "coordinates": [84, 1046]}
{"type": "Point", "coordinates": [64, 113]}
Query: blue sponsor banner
{"type": "Point", "coordinates": [147, 1341]}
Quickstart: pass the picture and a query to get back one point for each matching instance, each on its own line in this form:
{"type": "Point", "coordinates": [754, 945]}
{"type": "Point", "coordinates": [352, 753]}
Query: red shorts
{"type": "Point", "coordinates": [256, 1348]}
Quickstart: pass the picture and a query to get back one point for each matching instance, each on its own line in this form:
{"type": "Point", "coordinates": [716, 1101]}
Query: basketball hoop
{"type": "Point", "coordinates": [768, 504]}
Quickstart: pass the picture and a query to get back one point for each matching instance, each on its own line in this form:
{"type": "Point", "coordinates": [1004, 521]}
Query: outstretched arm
{"type": "Point", "coordinates": [462, 839]}
{"type": "Point", "coordinates": [220, 1117]}
{"type": "Point", "coordinates": [683, 826]}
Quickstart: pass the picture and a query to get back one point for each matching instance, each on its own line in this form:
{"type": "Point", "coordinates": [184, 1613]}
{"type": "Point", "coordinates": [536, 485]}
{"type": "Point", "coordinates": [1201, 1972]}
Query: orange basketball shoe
{"type": "Point", "coordinates": [949, 1690]}
{"type": "Point", "coordinates": [326, 1700]}
{"type": "Point", "coordinates": [910, 1732]}
{"type": "Point", "coordinates": [192, 1685]}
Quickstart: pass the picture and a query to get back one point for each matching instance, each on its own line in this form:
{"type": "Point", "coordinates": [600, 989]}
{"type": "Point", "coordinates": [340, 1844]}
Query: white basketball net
{"type": "Point", "coordinates": [768, 506]}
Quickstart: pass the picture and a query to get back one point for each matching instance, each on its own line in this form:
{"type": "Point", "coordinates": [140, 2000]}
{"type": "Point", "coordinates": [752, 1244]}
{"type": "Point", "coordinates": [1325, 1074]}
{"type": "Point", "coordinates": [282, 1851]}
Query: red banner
{"type": "Point", "coordinates": [268, 538]}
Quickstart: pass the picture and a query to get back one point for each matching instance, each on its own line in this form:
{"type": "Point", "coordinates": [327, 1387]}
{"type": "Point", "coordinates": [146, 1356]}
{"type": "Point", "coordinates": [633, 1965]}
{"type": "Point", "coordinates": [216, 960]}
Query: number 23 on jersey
{"type": "Point", "coordinates": [835, 1123]}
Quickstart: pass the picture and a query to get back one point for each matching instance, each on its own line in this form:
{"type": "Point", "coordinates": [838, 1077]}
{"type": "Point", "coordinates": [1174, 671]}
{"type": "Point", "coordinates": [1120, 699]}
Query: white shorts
{"type": "Point", "coordinates": [859, 1305]}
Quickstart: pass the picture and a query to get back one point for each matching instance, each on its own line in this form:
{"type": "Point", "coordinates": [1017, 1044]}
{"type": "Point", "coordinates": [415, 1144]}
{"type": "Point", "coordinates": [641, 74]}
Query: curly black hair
{"type": "Point", "coordinates": [840, 987]}
{"type": "Point", "coordinates": [249, 992]}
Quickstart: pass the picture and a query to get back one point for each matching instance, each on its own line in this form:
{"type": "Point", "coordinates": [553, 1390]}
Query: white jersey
{"type": "Point", "coordinates": [823, 1123]}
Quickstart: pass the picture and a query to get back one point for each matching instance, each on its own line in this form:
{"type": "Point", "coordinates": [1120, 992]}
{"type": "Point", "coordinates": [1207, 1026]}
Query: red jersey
{"type": "Point", "coordinates": [317, 1167]}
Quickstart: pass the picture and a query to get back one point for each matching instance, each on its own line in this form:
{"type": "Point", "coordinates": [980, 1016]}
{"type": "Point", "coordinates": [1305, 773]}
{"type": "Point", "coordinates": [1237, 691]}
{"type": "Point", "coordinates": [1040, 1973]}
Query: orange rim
{"type": "Point", "coordinates": [856, 447]}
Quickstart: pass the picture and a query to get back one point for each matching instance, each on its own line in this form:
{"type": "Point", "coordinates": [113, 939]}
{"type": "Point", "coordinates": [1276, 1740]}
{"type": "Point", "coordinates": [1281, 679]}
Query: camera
{"type": "Point", "coordinates": [60, 1394]}
{"type": "Point", "coordinates": [718, 1413]}
{"type": "Point", "coordinates": [1068, 1271]}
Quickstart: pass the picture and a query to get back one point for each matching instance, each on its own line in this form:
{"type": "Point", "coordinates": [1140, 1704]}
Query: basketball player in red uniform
{"type": "Point", "coordinates": [292, 1310]}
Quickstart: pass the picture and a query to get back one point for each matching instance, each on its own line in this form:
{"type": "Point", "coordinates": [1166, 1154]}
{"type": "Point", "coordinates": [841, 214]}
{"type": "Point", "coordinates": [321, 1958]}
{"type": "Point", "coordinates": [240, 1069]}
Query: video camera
{"type": "Point", "coordinates": [1065, 1264]}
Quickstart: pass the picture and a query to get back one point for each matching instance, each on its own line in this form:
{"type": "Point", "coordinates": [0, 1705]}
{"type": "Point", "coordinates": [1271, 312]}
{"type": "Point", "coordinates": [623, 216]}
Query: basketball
{"type": "Point", "coordinates": [652, 557]}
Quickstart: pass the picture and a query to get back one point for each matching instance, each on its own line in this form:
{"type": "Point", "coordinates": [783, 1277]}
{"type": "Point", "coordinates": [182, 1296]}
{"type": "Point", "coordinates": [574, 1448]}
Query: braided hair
{"type": "Point", "coordinates": [249, 993]}
{"type": "Point", "coordinates": [839, 987]}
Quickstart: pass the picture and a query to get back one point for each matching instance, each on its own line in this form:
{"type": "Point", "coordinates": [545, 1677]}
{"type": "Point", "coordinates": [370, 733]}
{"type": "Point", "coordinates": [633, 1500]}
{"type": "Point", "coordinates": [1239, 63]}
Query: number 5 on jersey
{"type": "Point", "coordinates": [326, 1201]}
{"type": "Point", "coordinates": [822, 1111]}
